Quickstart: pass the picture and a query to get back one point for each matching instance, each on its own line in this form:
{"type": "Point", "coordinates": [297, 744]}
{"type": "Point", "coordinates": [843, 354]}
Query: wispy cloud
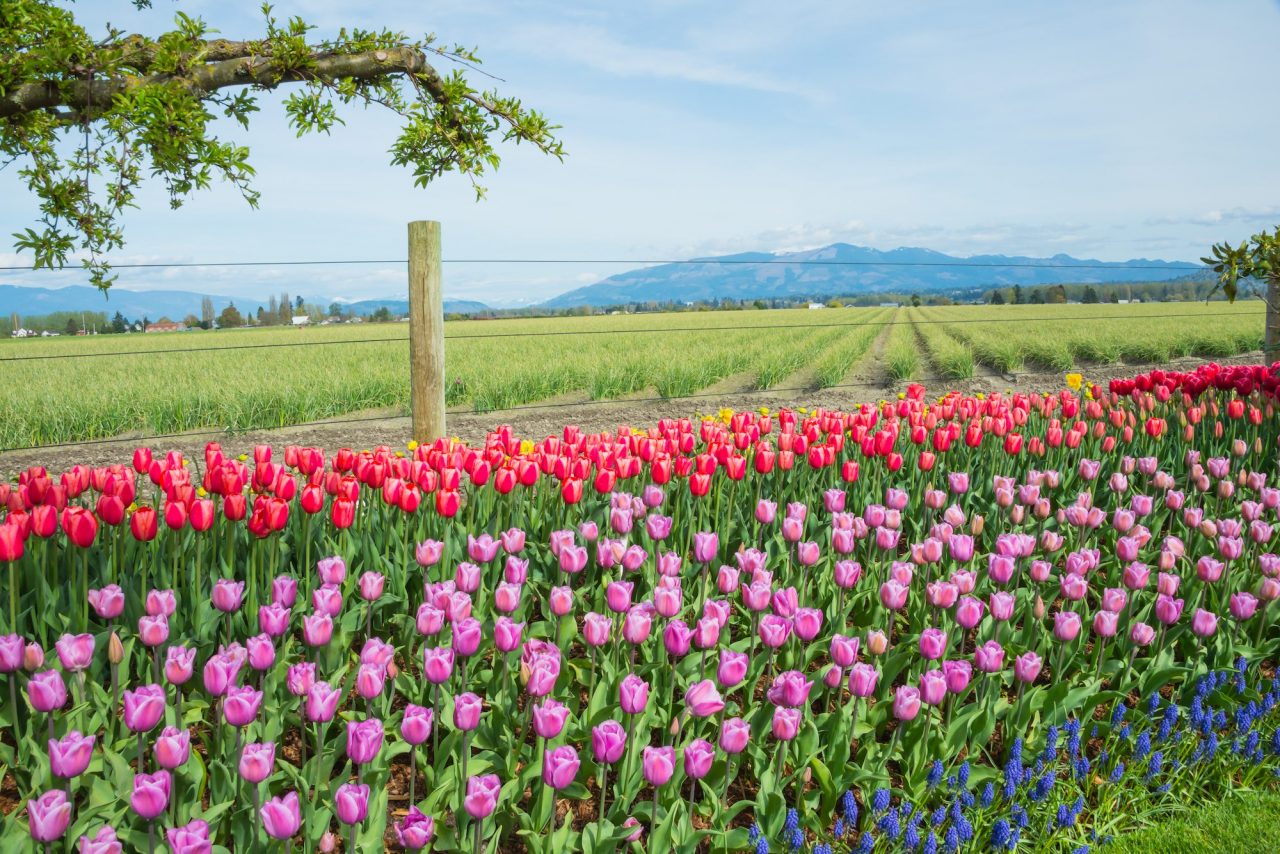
{"type": "Point", "coordinates": [597, 48]}
{"type": "Point", "coordinates": [1266, 215]}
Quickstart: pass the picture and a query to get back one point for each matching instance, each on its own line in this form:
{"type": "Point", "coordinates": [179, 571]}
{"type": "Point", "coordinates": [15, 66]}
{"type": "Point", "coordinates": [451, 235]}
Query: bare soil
{"type": "Point", "coordinates": [537, 421]}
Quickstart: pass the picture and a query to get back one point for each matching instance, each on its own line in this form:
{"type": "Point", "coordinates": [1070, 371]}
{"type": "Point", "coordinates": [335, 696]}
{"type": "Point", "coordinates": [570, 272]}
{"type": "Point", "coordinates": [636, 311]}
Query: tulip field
{"type": "Point", "coordinates": [82, 388]}
{"type": "Point", "coordinates": [942, 622]}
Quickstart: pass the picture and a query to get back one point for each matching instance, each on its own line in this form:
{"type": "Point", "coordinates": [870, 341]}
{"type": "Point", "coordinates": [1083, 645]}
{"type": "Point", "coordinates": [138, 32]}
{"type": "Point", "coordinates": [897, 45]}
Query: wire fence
{"type": "Point", "coordinates": [391, 339]}
{"type": "Point", "coordinates": [643, 330]}
{"type": "Point", "coordinates": [640, 262]}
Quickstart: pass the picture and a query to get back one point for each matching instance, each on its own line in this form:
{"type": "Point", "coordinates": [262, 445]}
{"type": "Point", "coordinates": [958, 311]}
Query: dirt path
{"type": "Point", "coordinates": [367, 429]}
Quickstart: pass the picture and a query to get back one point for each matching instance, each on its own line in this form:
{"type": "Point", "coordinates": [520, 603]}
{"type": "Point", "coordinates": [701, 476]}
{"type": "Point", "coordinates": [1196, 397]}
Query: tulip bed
{"type": "Point", "coordinates": [928, 623]}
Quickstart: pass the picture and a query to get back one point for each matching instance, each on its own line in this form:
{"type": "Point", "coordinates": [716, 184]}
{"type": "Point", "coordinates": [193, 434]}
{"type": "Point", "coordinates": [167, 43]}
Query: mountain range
{"type": "Point", "coordinates": [841, 269]}
{"type": "Point", "coordinates": [844, 269]}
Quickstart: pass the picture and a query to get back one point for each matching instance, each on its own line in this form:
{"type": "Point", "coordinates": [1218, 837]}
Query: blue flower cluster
{"type": "Point", "coordinates": [1146, 751]}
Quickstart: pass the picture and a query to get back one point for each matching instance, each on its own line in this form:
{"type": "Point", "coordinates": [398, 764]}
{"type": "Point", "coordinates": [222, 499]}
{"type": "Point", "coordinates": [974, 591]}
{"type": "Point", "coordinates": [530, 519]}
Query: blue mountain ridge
{"type": "Point", "coordinates": [762, 275]}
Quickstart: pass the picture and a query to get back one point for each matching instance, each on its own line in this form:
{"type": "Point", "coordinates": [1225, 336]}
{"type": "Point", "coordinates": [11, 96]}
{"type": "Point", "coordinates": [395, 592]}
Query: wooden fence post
{"type": "Point", "coordinates": [426, 331]}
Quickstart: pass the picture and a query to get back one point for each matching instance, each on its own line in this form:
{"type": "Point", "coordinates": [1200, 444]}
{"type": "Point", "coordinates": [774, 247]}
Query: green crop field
{"type": "Point", "coordinates": [499, 364]}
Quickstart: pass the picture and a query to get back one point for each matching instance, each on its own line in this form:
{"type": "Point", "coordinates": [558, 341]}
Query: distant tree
{"type": "Point", "coordinates": [268, 318]}
{"type": "Point", "coordinates": [1037, 297]}
{"type": "Point", "coordinates": [915, 300]}
{"type": "Point", "coordinates": [230, 317]}
{"type": "Point", "coordinates": [760, 304]}
{"type": "Point", "coordinates": [1090, 294]}
{"type": "Point", "coordinates": [997, 297]}
{"type": "Point", "coordinates": [381, 315]}
{"type": "Point", "coordinates": [119, 323]}
{"type": "Point", "coordinates": [262, 315]}
{"type": "Point", "coordinates": [71, 328]}
{"type": "Point", "coordinates": [1113, 297]}
{"type": "Point", "coordinates": [297, 305]}
{"type": "Point", "coordinates": [335, 309]}
{"type": "Point", "coordinates": [1256, 259]}
{"type": "Point", "coordinates": [285, 312]}
{"type": "Point", "coordinates": [206, 312]}
{"type": "Point", "coordinates": [1057, 295]}
{"type": "Point", "coordinates": [1017, 294]}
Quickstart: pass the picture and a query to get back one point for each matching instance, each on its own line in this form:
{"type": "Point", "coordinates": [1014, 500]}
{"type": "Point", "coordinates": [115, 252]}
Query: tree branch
{"type": "Point", "coordinates": [239, 71]}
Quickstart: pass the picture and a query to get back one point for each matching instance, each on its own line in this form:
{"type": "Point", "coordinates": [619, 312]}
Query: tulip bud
{"type": "Point", "coordinates": [115, 649]}
{"type": "Point", "coordinates": [976, 525]}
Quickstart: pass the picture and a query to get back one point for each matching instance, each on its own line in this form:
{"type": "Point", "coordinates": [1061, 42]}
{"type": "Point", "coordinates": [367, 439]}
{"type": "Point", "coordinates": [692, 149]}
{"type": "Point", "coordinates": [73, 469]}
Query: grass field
{"type": "Point", "coordinates": [499, 364]}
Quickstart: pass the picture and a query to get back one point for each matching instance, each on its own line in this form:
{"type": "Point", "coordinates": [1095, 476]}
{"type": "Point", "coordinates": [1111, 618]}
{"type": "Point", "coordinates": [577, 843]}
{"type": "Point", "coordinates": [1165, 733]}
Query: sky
{"type": "Point", "coordinates": [1099, 129]}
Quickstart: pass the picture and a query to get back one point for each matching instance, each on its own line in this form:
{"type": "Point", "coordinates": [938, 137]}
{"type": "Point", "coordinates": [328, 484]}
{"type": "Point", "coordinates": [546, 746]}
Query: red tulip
{"type": "Point", "coordinates": [80, 525]}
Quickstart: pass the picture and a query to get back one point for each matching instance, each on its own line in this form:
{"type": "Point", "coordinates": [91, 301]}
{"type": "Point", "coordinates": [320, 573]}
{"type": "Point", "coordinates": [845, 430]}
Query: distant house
{"type": "Point", "coordinates": [166, 326]}
{"type": "Point", "coordinates": [301, 320]}
{"type": "Point", "coordinates": [888, 305]}
{"type": "Point", "coordinates": [815, 305]}
{"type": "Point", "coordinates": [23, 333]}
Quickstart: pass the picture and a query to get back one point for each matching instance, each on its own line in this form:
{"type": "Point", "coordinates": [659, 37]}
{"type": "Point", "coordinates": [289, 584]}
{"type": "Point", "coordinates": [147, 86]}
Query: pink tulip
{"type": "Point", "coordinates": [415, 726]}
{"type": "Point", "coordinates": [702, 700]}
{"type": "Point", "coordinates": [160, 602]}
{"type": "Point", "coordinates": [844, 650]}
{"type": "Point", "coordinates": [281, 817]}
{"type": "Point", "coordinates": [862, 680]}
{"type": "Point", "coordinates": [317, 629]}
{"type": "Point", "coordinates": [790, 688]}
{"type": "Point", "coordinates": [153, 631]}
{"type": "Point", "coordinates": [1105, 623]}
{"type": "Point", "coordinates": [48, 816]}
{"type": "Point", "coordinates": [698, 757]}
{"type": "Point", "coordinates": [906, 702]}
{"type": "Point", "coordinates": [933, 644]}
{"type": "Point", "coordinates": [371, 586]}
{"type": "Point", "coordinates": [482, 795]}
{"type": "Point", "coordinates": [143, 707]}
{"type": "Point", "coordinates": [1001, 605]}
{"type": "Point", "coordinates": [1142, 634]}
{"type": "Point", "coordinates": [1066, 626]}
{"type": "Point", "coordinates": [893, 595]}
{"type": "Point", "coordinates": [989, 657]}
{"type": "Point", "coordinates": [466, 711]}
{"type": "Point", "coordinates": [172, 748]}
{"type": "Point", "coordinates": [322, 702]}
{"type": "Point", "coordinates": [102, 842]}
{"type": "Point", "coordinates": [257, 761]}
{"type": "Point", "coordinates": [969, 612]}
{"type": "Point", "coordinates": [273, 619]}
{"type": "Point", "coordinates": [416, 830]}
{"type": "Point", "coordinates": [1204, 623]}
{"type": "Point", "coordinates": [190, 838]}
{"type": "Point", "coordinates": [70, 755]}
{"type": "Point", "coordinates": [1026, 667]}
{"type": "Point", "coordinates": [284, 591]}
{"type": "Point", "coordinates": [107, 603]}
{"type": "Point", "coordinates": [633, 694]}
{"type": "Point", "coordinates": [847, 573]}
{"type": "Point", "coordinates": [351, 803]}
{"type": "Point", "coordinates": [807, 623]}
{"type": "Point", "coordinates": [427, 553]}
{"type": "Point", "coordinates": [150, 794]}
{"type": "Point", "coordinates": [327, 599]}
{"type": "Point", "coordinates": [227, 595]}
{"type": "Point", "coordinates": [933, 687]}
{"type": "Point", "coordinates": [786, 723]}
{"type": "Point", "coordinates": [240, 706]}
{"type": "Point", "coordinates": [75, 652]}
{"type": "Point", "coordinates": [608, 742]}
{"type": "Point", "coordinates": [1243, 605]}
{"type": "Point", "coordinates": [1168, 609]}
{"type": "Point", "coordinates": [561, 601]}
{"type": "Point", "coordinates": [735, 733]}
{"type": "Point", "coordinates": [549, 718]}
{"type": "Point", "coordinates": [958, 675]}
{"type": "Point", "coordinates": [560, 766]}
